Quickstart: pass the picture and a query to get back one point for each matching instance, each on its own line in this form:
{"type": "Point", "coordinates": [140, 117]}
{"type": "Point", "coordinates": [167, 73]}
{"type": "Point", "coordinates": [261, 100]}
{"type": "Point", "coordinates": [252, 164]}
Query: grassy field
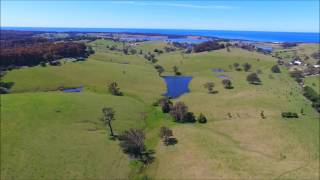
{"type": "Point", "coordinates": [314, 82]}
{"type": "Point", "coordinates": [46, 133]}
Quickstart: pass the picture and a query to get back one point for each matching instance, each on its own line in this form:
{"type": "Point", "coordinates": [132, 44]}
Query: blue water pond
{"type": "Point", "coordinates": [176, 85]}
{"type": "Point", "coordinates": [217, 70]}
{"type": "Point", "coordinates": [78, 89]}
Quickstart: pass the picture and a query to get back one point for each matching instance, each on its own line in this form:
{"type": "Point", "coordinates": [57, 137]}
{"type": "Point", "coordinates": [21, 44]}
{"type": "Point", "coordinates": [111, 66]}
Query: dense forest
{"type": "Point", "coordinates": [24, 49]}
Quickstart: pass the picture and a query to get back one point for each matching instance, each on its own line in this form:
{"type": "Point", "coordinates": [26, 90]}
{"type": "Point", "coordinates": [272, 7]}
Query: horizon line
{"type": "Point", "coordinates": [56, 27]}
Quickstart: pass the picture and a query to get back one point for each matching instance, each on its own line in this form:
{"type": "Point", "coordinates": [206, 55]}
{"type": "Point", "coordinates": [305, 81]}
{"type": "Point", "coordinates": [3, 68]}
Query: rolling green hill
{"type": "Point", "coordinates": [47, 133]}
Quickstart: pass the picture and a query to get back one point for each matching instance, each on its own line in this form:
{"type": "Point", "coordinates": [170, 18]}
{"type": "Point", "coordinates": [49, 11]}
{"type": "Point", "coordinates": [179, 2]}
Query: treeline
{"type": "Point", "coordinates": [34, 54]}
{"type": "Point", "coordinates": [313, 96]}
{"type": "Point", "coordinates": [207, 46]}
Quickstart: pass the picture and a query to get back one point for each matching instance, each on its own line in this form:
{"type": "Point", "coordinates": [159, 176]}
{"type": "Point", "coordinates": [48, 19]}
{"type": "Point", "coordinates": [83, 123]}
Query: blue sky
{"type": "Point", "coordinates": [285, 15]}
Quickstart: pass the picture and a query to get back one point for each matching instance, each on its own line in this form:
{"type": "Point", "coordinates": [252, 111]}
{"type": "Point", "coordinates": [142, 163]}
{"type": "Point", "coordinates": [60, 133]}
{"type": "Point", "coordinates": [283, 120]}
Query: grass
{"type": "Point", "coordinates": [314, 82]}
{"type": "Point", "coordinates": [52, 134]}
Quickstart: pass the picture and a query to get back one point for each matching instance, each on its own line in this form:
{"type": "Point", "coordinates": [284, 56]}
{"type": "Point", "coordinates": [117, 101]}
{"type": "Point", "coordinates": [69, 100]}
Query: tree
{"type": "Point", "coordinates": [179, 112]}
{"type": "Point", "coordinates": [133, 51]}
{"type": "Point", "coordinates": [176, 70]}
{"type": "Point", "coordinates": [165, 104]}
{"type": "Point", "coordinates": [159, 68]}
{"type": "Point", "coordinates": [227, 84]}
{"type": "Point", "coordinates": [253, 79]}
{"type": "Point", "coordinates": [246, 67]}
{"type": "Point", "coordinates": [114, 89]}
{"type": "Point", "coordinates": [132, 143]}
{"type": "Point", "coordinates": [165, 134]}
{"type": "Point", "coordinates": [209, 86]}
{"type": "Point", "coordinates": [275, 69]}
{"type": "Point", "coordinates": [108, 117]}
{"type": "Point", "coordinates": [237, 66]}
{"type": "Point", "coordinates": [202, 118]}
{"type": "Point", "coordinates": [297, 75]}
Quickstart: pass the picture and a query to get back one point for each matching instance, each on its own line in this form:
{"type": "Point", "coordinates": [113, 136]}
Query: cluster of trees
{"type": "Point", "coordinates": [246, 67]}
{"type": "Point", "coordinates": [313, 96]}
{"type": "Point", "coordinates": [158, 51]}
{"type": "Point", "coordinates": [131, 141]}
{"type": "Point", "coordinates": [150, 57]}
{"type": "Point", "coordinates": [169, 49]}
{"type": "Point", "coordinates": [288, 45]}
{"type": "Point", "coordinates": [207, 46]}
{"type": "Point", "coordinates": [159, 69]}
{"type": "Point", "coordinates": [179, 111]}
{"type": "Point", "coordinates": [45, 52]}
{"type": "Point", "coordinates": [227, 84]}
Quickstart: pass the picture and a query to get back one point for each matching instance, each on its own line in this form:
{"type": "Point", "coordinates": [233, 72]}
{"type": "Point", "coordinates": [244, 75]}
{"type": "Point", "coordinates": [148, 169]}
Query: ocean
{"type": "Point", "coordinates": [262, 36]}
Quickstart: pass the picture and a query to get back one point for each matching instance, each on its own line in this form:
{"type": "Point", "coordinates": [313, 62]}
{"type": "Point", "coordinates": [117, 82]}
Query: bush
{"type": "Point", "coordinates": [253, 79]}
{"type": "Point", "coordinates": [246, 67]}
{"type": "Point", "coordinates": [227, 84]}
{"type": "Point", "coordinates": [4, 90]}
{"type": "Point", "coordinates": [275, 69]}
{"type": "Point", "coordinates": [202, 119]}
{"type": "Point", "coordinates": [289, 115]}
{"type": "Point", "coordinates": [165, 134]}
{"type": "Point", "coordinates": [179, 112]}
{"type": "Point", "coordinates": [114, 89]}
{"type": "Point", "coordinates": [165, 104]}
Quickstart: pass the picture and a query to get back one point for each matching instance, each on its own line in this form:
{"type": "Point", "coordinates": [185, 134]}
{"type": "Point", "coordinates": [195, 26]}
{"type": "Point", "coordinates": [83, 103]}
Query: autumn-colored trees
{"type": "Point", "coordinates": [34, 54]}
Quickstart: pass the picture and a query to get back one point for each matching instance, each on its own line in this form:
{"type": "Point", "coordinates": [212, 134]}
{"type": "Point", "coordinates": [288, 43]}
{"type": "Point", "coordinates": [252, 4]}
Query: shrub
{"type": "Point", "coordinates": [202, 119]}
{"type": "Point", "coordinates": [246, 67]}
{"type": "Point", "coordinates": [275, 69]}
{"type": "Point", "coordinates": [165, 104]}
{"type": "Point", "coordinates": [253, 79]}
{"type": "Point", "coordinates": [114, 89]}
{"type": "Point", "coordinates": [165, 134]}
{"type": "Point", "coordinates": [227, 84]}
{"type": "Point", "coordinates": [4, 90]}
{"type": "Point", "coordinates": [289, 115]}
{"type": "Point", "coordinates": [176, 71]}
{"type": "Point", "coordinates": [209, 86]}
{"type": "Point", "coordinates": [179, 112]}
{"type": "Point", "coordinates": [297, 75]}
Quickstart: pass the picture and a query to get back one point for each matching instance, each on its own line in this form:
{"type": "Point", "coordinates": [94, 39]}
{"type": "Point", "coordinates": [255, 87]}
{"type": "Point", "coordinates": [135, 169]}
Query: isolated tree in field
{"type": "Point", "coordinates": [165, 104]}
{"type": "Point", "coordinates": [108, 117]}
{"type": "Point", "coordinates": [176, 70]}
{"type": "Point", "coordinates": [132, 143]}
{"type": "Point", "coordinates": [165, 134]}
{"type": "Point", "coordinates": [209, 86]}
{"type": "Point", "coordinates": [253, 79]}
{"type": "Point", "coordinates": [227, 84]}
{"type": "Point", "coordinates": [114, 89]}
{"type": "Point", "coordinates": [246, 67]}
{"type": "Point", "coordinates": [179, 112]}
{"type": "Point", "coordinates": [202, 118]}
{"type": "Point", "coordinates": [275, 69]}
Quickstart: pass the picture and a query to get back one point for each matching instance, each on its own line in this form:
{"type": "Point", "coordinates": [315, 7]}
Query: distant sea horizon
{"type": "Point", "coordinates": [261, 36]}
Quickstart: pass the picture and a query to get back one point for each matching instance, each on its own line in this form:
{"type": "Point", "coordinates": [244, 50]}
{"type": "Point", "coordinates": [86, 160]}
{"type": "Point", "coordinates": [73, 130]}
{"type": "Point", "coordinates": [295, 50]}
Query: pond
{"type": "Point", "coordinates": [177, 85]}
{"type": "Point", "coordinates": [77, 89]}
